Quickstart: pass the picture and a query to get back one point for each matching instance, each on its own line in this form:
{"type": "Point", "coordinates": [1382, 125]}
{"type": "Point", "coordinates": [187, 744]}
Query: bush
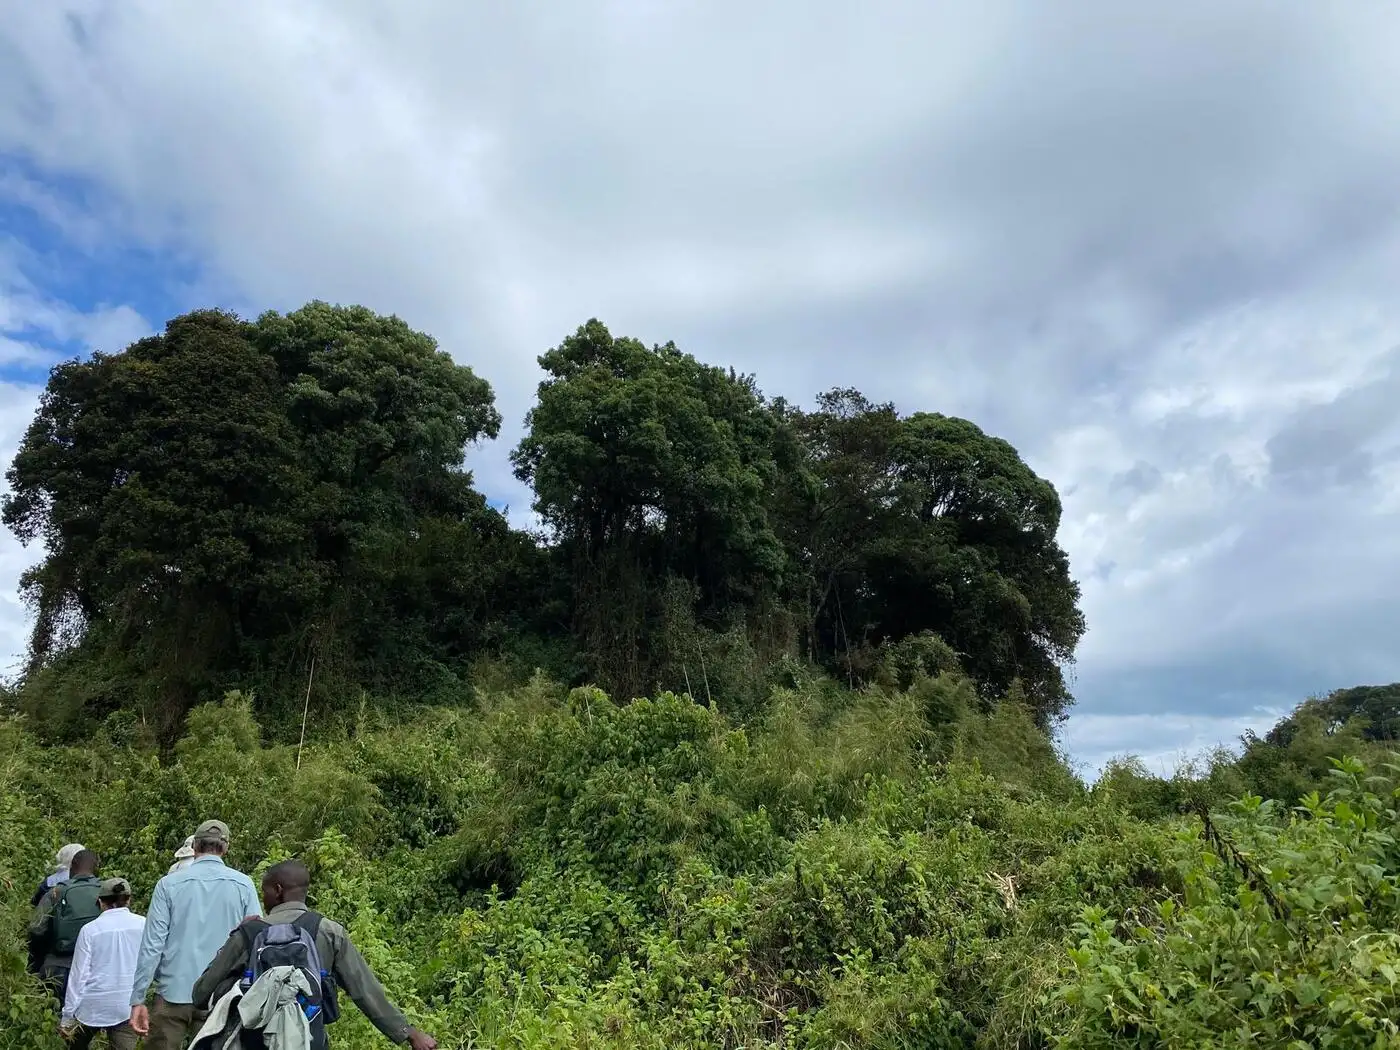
{"type": "Point", "coordinates": [883, 868]}
{"type": "Point", "coordinates": [1283, 934]}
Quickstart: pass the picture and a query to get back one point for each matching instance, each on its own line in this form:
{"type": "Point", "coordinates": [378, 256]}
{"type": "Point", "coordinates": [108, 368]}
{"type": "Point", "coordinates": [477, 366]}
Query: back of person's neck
{"type": "Point", "coordinates": [208, 856]}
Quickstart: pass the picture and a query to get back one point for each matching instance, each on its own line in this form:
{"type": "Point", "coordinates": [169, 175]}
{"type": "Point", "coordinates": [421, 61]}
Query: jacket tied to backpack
{"type": "Point", "coordinates": [284, 998]}
{"type": "Point", "coordinates": [274, 1007]}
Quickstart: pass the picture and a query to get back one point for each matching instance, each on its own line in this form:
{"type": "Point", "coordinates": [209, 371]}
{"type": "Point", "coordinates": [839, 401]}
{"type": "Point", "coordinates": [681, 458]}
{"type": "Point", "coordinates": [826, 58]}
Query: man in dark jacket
{"type": "Point", "coordinates": [62, 912]}
{"type": "Point", "coordinates": [284, 890]}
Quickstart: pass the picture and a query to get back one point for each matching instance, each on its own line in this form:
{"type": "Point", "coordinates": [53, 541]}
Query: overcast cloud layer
{"type": "Point", "coordinates": [1154, 245]}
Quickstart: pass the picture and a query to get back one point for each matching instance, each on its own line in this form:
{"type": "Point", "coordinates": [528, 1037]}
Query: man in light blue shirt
{"type": "Point", "coordinates": [191, 914]}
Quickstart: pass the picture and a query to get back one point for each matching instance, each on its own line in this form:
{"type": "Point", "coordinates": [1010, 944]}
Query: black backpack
{"type": "Point", "coordinates": [291, 944]}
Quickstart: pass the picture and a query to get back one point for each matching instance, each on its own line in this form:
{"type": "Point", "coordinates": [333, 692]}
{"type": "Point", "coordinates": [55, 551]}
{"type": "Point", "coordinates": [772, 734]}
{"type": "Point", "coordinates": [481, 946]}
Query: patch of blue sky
{"type": "Point", "coordinates": [65, 251]}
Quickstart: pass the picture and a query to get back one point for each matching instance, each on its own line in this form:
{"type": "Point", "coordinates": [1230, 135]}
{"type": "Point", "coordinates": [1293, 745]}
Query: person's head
{"type": "Point", "coordinates": [186, 850]}
{"type": "Point", "coordinates": [210, 839]}
{"type": "Point", "coordinates": [64, 857]}
{"type": "Point", "coordinates": [114, 893]}
{"type": "Point", "coordinates": [283, 882]}
{"type": "Point", "coordinates": [84, 862]}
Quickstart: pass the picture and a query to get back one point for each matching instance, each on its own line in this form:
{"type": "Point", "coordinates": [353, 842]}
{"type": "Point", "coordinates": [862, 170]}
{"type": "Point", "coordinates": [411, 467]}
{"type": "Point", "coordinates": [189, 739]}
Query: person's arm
{"type": "Point", "coordinates": [153, 938]}
{"type": "Point", "coordinates": [77, 979]}
{"type": "Point", "coordinates": [353, 974]}
{"type": "Point", "coordinates": [39, 893]}
{"type": "Point", "coordinates": [43, 915]}
{"type": "Point", "coordinates": [252, 907]}
{"type": "Point", "coordinates": [227, 963]}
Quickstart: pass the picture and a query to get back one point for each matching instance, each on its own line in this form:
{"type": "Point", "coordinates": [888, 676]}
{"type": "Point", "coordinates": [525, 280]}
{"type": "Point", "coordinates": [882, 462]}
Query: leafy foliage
{"type": "Point", "coordinates": [926, 525]}
{"type": "Point", "coordinates": [1284, 936]}
{"type": "Point", "coordinates": [280, 505]}
{"type": "Point", "coordinates": [884, 868]}
{"type": "Point", "coordinates": [816, 804]}
{"type": "Point", "coordinates": [225, 501]}
{"type": "Point", "coordinates": [650, 467]}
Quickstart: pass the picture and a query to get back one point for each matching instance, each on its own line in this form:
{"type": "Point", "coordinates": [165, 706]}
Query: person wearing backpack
{"type": "Point", "coordinates": [62, 913]}
{"type": "Point", "coordinates": [289, 968]}
{"type": "Point", "coordinates": [191, 912]}
{"type": "Point", "coordinates": [61, 860]}
{"type": "Point", "coordinates": [35, 962]}
{"type": "Point", "coordinates": [104, 965]}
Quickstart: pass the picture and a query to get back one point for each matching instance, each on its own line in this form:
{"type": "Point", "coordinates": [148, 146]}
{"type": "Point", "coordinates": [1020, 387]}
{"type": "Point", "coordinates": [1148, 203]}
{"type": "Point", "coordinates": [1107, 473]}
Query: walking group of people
{"type": "Point", "coordinates": [225, 971]}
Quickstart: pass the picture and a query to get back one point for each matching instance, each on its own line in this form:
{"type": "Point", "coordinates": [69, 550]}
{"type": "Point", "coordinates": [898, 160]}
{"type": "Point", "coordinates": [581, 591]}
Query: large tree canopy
{"type": "Point", "coordinates": [649, 467]}
{"type": "Point", "coordinates": [234, 502]}
{"type": "Point", "coordinates": [227, 499]}
{"type": "Point", "coordinates": [926, 524]}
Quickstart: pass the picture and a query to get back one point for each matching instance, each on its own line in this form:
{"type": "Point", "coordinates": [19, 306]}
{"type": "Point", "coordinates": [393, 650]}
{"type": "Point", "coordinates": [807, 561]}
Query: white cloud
{"type": "Point", "coordinates": [30, 325]}
{"type": "Point", "coordinates": [1140, 247]}
{"type": "Point", "coordinates": [17, 404]}
{"type": "Point", "coordinates": [1175, 740]}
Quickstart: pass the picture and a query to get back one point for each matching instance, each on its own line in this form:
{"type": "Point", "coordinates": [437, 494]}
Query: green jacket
{"type": "Point", "coordinates": [340, 958]}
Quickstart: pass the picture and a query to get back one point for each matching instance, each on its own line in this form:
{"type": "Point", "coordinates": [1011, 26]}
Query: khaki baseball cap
{"type": "Point", "coordinates": [211, 831]}
{"type": "Point", "coordinates": [114, 888]}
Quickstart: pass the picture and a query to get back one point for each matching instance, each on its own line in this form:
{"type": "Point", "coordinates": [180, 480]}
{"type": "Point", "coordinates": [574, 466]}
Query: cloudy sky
{"type": "Point", "coordinates": [1153, 245]}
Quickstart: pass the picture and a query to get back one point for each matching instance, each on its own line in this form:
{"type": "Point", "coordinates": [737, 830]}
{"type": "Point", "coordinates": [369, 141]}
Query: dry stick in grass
{"type": "Point", "coordinates": [1006, 886]}
{"type": "Point", "coordinates": [709, 700]}
{"type": "Point", "coordinates": [304, 709]}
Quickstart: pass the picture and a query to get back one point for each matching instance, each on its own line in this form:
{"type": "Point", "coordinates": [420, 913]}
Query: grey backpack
{"type": "Point", "coordinates": [291, 944]}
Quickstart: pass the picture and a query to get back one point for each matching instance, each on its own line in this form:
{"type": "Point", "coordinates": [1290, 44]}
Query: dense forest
{"type": "Point", "coordinates": [225, 503]}
{"type": "Point", "coordinates": [749, 743]}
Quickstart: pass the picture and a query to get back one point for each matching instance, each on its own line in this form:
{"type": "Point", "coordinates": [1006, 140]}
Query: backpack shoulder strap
{"type": "Point", "coordinates": [310, 921]}
{"type": "Point", "coordinates": [250, 928]}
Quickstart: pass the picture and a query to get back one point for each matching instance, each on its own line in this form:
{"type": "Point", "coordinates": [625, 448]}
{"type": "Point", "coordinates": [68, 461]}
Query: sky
{"type": "Point", "coordinates": [1153, 245]}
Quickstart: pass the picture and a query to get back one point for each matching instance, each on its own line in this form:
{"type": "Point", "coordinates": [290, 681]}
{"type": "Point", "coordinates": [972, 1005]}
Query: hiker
{"type": "Point", "coordinates": [61, 915]}
{"type": "Point", "coordinates": [184, 856]}
{"type": "Point", "coordinates": [191, 912]}
{"type": "Point", "coordinates": [57, 877]}
{"type": "Point", "coordinates": [273, 972]}
{"type": "Point", "coordinates": [104, 966]}
{"type": "Point", "coordinates": [61, 860]}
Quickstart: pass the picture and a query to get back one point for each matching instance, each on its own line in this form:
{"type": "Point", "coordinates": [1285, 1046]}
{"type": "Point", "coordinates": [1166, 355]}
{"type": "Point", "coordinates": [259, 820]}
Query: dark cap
{"type": "Point", "coordinates": [114, 888]}
{"type": "Point", "coordinates": [211, 831]}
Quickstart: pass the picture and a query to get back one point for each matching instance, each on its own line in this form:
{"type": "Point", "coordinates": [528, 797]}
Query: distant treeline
{"type": "Point", "coordinates": [1302, 754]}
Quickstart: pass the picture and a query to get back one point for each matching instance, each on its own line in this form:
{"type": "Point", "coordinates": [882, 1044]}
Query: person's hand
{"type": "Point", "coordinates": [421, 1040]}
{"type": "Point", "coordinates": [140, 1019]}
{"type": "Point", "coordinates": [67, 1029]}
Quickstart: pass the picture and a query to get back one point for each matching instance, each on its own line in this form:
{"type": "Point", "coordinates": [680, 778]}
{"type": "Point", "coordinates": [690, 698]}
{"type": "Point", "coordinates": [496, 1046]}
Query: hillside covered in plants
{"type": "Point", "coordinates": [747, 744]}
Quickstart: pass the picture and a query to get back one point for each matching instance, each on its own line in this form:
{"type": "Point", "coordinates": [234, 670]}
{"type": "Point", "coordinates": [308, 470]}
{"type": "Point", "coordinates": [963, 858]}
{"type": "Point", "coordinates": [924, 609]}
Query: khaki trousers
{"type": "Point", "coordinates": [172, 1024]}
{"type": "Point", "coordinates": [119, 1037]}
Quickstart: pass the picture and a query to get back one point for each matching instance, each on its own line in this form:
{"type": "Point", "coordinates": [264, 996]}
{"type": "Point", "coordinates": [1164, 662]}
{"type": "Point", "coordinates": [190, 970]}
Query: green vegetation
{"type": "Point", "coordinates": [882, 868]}
{"type": "Point", "coordinates": [834, 819]}
{"type": "Point", "coordinates": [262, 505]}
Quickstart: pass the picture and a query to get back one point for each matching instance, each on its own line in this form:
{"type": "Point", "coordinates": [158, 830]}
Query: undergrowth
{"type": "Point", "coordinates": [893, 868]}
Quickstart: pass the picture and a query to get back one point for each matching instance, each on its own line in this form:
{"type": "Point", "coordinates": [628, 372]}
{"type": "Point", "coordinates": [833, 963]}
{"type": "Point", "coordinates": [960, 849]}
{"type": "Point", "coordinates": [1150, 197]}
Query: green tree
{"type": "Point", "coordinates": [648, 466]}
{"type": "Point", "coordinates": [1372, 710]}
{"type": "Point", "coordinates": [905, 525]}
{"type": "Point", "coordinates": [1298, 754]}
{"type": "Point", "coordinates": [225, 500]}
{"type": "Point", "coordinates": [832, 505]}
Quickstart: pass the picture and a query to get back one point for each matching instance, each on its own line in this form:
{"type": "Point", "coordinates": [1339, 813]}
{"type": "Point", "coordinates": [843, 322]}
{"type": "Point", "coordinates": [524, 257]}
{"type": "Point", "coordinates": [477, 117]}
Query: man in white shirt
{"type": "Point", "coordinates": [104, 966]}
